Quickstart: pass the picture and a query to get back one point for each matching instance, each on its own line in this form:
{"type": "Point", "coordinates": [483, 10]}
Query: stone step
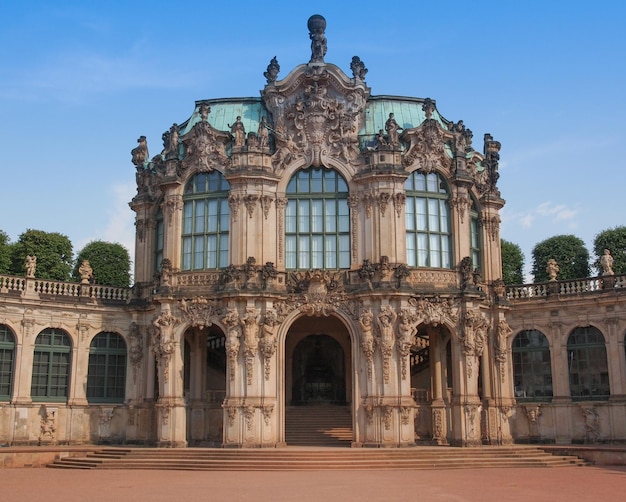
{"type": "Point", "coordinates": [318, 425]}
{"type": "Point", "coordinates": [315, 459]}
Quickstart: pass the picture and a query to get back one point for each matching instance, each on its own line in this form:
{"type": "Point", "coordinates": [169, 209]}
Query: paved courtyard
{"type": "Point", "coordinates": [571, 484]}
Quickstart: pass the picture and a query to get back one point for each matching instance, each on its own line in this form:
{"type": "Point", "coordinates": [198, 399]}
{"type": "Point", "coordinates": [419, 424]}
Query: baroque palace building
{"type": "Point", "coordinates": [315, 247]}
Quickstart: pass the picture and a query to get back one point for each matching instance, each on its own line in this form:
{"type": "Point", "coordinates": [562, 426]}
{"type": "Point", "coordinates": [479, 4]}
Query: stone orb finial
{"type": "Point", "coordinates": [316, 23]}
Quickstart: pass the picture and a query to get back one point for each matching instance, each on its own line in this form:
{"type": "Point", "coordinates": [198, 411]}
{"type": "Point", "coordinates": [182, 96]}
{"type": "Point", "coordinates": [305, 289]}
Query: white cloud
{"type": "Point", "coordinates": [76, 76]}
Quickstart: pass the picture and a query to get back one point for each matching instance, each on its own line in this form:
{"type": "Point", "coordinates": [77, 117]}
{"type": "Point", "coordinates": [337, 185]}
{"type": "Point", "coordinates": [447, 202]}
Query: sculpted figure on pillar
{"type": "Point", "coordinates": [606, 262]}
{"type": "Point", "coordinates": [386, 322]}
{"type": "Point", "coordinates": [233, 334]}
{"type": "Point", "coordinates": [269, 340]}
{"type": "Point", "coordinates": [407, 329]}
{"type": "Point", "coordinates": [238, 132]}
{"type": "Point", "coordinates": [140, 153]}
{"type": "Point", "coordinates": [263, 133]}
{"type": "Point", "coordinates": [392, 128]}
{"type": "Point", "coordinates": [250, 324]}
{"type": "Point", "coordinates": [366, 322]}
{"type": "Point", "coordinates": [31, 265]}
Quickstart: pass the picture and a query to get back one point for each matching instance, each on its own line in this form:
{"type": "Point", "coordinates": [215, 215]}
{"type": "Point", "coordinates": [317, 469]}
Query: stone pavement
{"type": "Point", "coordinates": [571, 484]}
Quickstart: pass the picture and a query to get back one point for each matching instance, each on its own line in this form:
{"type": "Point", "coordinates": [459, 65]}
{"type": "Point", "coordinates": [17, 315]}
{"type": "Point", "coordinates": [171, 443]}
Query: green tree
{"type": "Point", "coordinates": [5, 253]}
{"type": "Point", "coordinates": [613, 239]}
{"type": "Point", "coordinates": [512, 263]}
{"type": "Point", "coordinates": [110, 262]}
{"type": "Point", "coordinates": [53, 252]}
{"type": "Point", "coordinates": [570, 254]}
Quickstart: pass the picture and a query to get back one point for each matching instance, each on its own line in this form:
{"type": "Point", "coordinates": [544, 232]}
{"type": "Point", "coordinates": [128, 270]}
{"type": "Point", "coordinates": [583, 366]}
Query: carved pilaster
{"type": "Point", "coordinates": [353, 202]}
{"type": "Point", "coordinates": [399, 200]}
{"type": "Point", "coordinates": [281, 203]}
{"type": "Point", "coordinates": [250, 201]}
{"type": "Point", "coordinates": [234, 201]}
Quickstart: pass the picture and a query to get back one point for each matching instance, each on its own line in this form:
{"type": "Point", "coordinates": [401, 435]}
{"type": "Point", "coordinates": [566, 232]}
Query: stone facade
{"type": "Point", "coordinates": [232, 320]}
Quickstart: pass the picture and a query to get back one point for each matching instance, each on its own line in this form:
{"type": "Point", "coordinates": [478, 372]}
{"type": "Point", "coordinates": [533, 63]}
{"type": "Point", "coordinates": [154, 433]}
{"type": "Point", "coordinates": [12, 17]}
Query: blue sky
{"type": "Point", "coordinates": [81, 81]}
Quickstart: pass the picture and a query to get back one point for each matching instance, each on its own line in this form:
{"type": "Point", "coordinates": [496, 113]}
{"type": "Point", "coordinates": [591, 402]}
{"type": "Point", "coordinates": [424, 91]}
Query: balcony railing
{"type": "Point", "coordinates": [565, 288]}
{"type": "Point", "coordinates": [25, 285]}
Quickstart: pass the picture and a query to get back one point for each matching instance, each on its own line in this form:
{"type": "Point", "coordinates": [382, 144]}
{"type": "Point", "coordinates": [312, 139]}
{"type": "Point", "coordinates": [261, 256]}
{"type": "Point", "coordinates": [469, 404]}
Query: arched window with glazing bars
{"type": "Point", "coordinates": [106, 373]}
{"type": "Point", "coordinates": [428, 236]}
{"type": "Point", "coordinates": [51, 366]}
{"type": "Point", "coordinates": [532, 370]}
{"type": "Point", "coordinates": [587, 364]}
{"type": "Point", "coordinates": [317, 221]}
{"type": "Point", "coordinates": [206, 221]}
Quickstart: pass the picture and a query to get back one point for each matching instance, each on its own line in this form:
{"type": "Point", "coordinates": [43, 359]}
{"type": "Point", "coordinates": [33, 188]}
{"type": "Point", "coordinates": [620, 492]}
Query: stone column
{"type": "Point", "coordinates": [170, 407]}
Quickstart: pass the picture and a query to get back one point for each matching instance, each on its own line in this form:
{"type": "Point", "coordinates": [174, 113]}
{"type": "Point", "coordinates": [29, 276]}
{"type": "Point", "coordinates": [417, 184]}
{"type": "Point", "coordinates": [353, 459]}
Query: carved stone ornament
{"type": "Point", "coordinates": [200, 312]}
{"type": "Point", "coordinates": [140, 153]}
{"type": "Point", "coordinates": [435, 311]}
{"type": "Point", "coordinates": [271, 74]}
{"type": "Point", "coordinates": [319, 293]}
{"type": "Point", "coordinates": [592, 423]}
{"type": "Point", "coordinates": [358, 68]}
{"type": "Point", "coordinates": [319, 112]}
{"type": "Point", "coordinates": [48, 424]}
{"type": "Point", "coordinates": [426, 150]}
{"type": "Point", "coordinates": [205, 146]}
{"type": "Point", "coordinates": [135, 347]}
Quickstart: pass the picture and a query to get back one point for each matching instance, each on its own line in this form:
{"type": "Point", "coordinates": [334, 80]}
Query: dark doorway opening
{"type": "Point", "coordinates": [318, 371]}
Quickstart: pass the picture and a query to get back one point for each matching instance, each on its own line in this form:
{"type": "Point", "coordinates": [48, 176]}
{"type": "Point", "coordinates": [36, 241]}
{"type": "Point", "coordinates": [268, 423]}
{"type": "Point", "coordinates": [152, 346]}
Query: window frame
{"type": "Point", "coordinates": [582, 355]}
{"type": "Point", "coordinates": [205, 230]}
{"type": "Point", "coordinates": [51, 378]}
{"type": "Point", "coordinates": [111, 357]}
{"type": "Point", "coordinates": [427, 210]}
{"type": "Point", "coordinates": [317, 221]}
{"type": "Point", "coordinates": [7, 362]}
{"type": "Point", "coordinates": [532, 373]}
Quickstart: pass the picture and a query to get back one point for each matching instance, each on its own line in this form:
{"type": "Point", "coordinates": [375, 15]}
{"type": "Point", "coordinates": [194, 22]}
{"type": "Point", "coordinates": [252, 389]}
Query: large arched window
{"type": "Point", "coordinates": [587, 363]}
{"type": "Point", "coordinates": [206, 219]}
{"type": "Point", "coordinates": [106, 374]}
{"type": "Point", "coordinates": [51, 366]}
{"type": "Point", "coordinates": [7, 358]}
{"type": "Point", "coordinates": [317, 221]}
{"type": "Point", "coordinates": [428, 239]}
{"type": "Point", "coordinates": [532, 372]}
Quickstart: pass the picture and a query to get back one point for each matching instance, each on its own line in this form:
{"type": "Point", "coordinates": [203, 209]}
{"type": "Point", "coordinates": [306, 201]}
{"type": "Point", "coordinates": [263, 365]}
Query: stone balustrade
{"type": "Point", "coordinates": [43, 287]}
{"type": "Point", "coordinates": [566, 287]}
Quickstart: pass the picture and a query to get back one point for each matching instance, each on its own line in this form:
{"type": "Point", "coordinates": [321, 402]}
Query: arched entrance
{"type": "Point", "coordinates": [318, 383]}
{"type": "Point", "coordinates": [204, 386]}
{"type": "Point", "coordinates": [318, 371]}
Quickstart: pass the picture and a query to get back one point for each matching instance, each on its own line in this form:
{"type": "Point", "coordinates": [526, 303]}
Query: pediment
{"type": "Point", "coordinates": [317, 111]}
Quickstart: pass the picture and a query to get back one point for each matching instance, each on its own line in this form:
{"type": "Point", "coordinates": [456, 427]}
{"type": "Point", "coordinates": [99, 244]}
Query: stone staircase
{"type": "Point", "coordinates": [312, 458]}
{"type": "Point", "coordinates": [318, 425]}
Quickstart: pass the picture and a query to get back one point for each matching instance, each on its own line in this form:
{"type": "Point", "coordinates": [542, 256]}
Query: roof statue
{"type": "Point", "coordinates": [317, 25]}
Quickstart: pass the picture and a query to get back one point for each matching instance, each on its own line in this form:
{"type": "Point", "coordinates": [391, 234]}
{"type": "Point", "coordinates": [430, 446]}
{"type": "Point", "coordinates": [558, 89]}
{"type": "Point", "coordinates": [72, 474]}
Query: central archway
{"type": "Point", "coordinates": [318, 374]}
{"type": "Point", "coordinates": [318, 382]}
